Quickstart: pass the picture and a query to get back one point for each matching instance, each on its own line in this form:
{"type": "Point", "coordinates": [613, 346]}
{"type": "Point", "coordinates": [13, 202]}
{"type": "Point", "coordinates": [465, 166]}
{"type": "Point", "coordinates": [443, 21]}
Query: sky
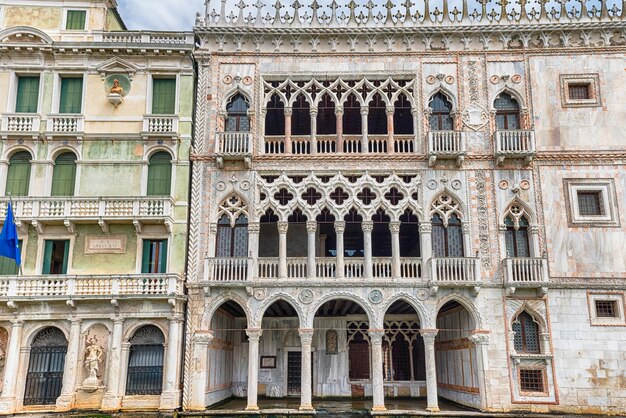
{"type": "Point", "coordinates": [160, 14]}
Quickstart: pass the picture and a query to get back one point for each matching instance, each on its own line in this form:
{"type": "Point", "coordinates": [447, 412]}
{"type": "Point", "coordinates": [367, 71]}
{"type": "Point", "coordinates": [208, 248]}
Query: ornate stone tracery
{"type": "Point", "coordinates": [232, 207]}
{"type": "Point", "coordinates": [446, 206]}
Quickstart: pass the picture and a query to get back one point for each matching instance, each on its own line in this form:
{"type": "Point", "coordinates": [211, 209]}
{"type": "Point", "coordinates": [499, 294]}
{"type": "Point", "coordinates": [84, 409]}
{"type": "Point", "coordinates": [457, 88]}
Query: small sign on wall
{"type": "Point", "coordinates": [111, 244]}
{"type": "Point", "coordinates": [268, 362]}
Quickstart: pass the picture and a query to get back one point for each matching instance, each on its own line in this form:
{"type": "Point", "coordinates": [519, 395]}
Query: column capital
{"type": "Point", "coordinates": [282, 226]}
{"type": "Point", "coordinates": [254, 334]}
{"type": "Point", "coordinates": [479, 338]}
{"type": "Point", "coordinates": [313, 111]}
{"type": "Point", "coordinates": [306, 335]}
{"type": "Point", "coordinates": [254, 227]}
{"type": "Point", "coordinates": [288, 111]}
{"type": "Point", "coordinates": [426, 228]}
{"type": "Point", "coordinates": [390, 110]}
{"type": "Point", "coordinates": [367, 226]}
{"type": "Point", "coordinates": [118, 321]}
{"type": "Point", "coordinates": [394, 227]}
{"type": "Point", "coordinates": [213, 228]}
{"type": "Point", "coordinates": [311, 226]}
{"type": "Point", "coordinates": [365, 110]}
{"type": "Point", "coordinates": [75, 321]}
{"type": "Point", "coordinates": [340, 226]}
{"type": "Point", "coordinates": [466, 227]}
{"type": "Point", "coordinates": [429, 335]}
{"type": "Point", "coordinates": [376, 335]}
{"type": "Point", "coordinates": [203, 337]}
{"type": "Point", "coordinates": [339, 111]}
{"type": "Point", "coordinates": [17, 323]}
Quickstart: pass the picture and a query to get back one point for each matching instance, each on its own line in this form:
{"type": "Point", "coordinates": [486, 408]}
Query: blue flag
{"type": "Point", "coordinates": [9, 246]}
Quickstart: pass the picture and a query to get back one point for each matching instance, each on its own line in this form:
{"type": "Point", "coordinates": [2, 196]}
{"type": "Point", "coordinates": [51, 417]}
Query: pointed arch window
{"type": "Point", "coordinates": [402, 117]}
{"type": "Point", "coordinates": [64, 175]}
{"type": "Point", "coordinates": [301, 116]}
{"type": "Point", "coordinates": [352, 116]}
{"type": "Point", "coordinates": [326, 117]}
{"type": "Point", "coordinates": [160, 174]}
{"type": "Point", "coordinates": [237, 115]}
{"type": "Point", "coordinates": [232, 241]}
{"type": "Point", "coordinates": [275, 116]}
{"type": "Point", "coordinates": [377, 116]}
{"type": "Point", "coordinates": [18, 175]}
{"type": "Point", "coordinates": [516, 237]}
{"type": "Point", "coordinates": [507, 112]}
{"type": "Point", "coordinates": [447, 238]}
{"type": "Point", "coordinates": [526, 339]}
{"type": "Point", "coordinates": [441, 113]}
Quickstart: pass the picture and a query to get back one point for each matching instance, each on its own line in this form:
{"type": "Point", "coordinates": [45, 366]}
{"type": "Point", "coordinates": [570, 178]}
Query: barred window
{"type": "Point", "coordinates": [526, 330]}
{"type": "Point", "coordinates": [590, 203]}
{"type": "Point", "coordinates": [531, 380]}
{"type": "Point", "coordinates": [580, 91]}
{"type": "Point", "coordinates": [606, 309]}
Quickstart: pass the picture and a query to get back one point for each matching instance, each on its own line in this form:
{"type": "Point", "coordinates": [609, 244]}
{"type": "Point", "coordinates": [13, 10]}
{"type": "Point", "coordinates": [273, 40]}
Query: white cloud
{"type": "Point", "coordinates": [160, 14]}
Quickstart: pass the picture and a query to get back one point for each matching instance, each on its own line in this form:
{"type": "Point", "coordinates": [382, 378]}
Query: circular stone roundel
{"type": "Point", "coordinates": [306, 296]}
{"type": "Point", "coordinates": [376, 296]}
{"type": "Point", "coordinates": [259, 294]}
{"type": "Point", "coordinates": [422, 294]}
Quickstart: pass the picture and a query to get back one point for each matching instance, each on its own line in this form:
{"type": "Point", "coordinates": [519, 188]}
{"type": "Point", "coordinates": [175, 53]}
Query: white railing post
{"type": "Point", "coordinates": [12, 287]}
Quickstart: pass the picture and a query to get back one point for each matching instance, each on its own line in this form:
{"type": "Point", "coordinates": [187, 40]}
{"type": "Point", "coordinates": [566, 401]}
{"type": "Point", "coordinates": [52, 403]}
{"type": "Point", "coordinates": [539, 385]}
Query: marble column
{"type": "Point", "coordinates": [254, 229]}
{"type": "Point", "coordinates": [390, 131]}
{"type": "Point", "coordinates": [416, 129]}
{"type": "Point", "coordinates": [253, 368]}
{"type": "Point", "coordinates": [432, 403]}
{"type": "Point", "coordinates": [283, 226]}
{"type": "Point", "coordinates": [364, 131]}
{"type": "Point", "coordinates": [426, 245]}
{"type": "Point", "coordinates": [481, 342]}
{"type": "Point", "coordinates": [394, 228]}
{"type": "Point", "coordinates": [467, 242]}
{"type": "Point", "coordinates": [170, 396]}
{"type": "Point", "coordinates": [12, 361]}
{"type": "Point", "coordinates": [533, 233]}
{"type": "Point", "coordinates": [340, 228]}
{"type": "Point", "coordinates": [306, 339]}
{"type": "Point", "coordinates": [112, 399]}
{"type": "Point", "coordinates": [288, 146]}
{"type": "Point", "coordinates": [313, 113]}
{"type": "Point", "coordinates": [378, 390]}
{"type": "Point", "coordinates": [199, 370]}
{"type": "Point", "coordinates": [367, 227]}
{"type": "Point", "coordinates": [311, 229]}
{"type": "Point", "coordinates": [65, 402]}
{"type": "Point", "coordinates": [339, 128]}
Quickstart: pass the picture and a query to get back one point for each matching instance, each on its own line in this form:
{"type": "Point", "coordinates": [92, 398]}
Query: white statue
{"type": "Point", "coordinates": [93, 357]}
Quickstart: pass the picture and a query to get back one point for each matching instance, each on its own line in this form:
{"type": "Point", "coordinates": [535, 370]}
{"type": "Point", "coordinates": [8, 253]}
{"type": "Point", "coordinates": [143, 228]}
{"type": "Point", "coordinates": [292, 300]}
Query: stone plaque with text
{"type": "Point", "coordinates": [111, 244]}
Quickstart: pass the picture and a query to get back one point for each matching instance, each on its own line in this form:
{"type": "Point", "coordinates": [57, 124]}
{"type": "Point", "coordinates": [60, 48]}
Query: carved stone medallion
{"type": "Point", "coordinates": [306, 296]}
{"type": "Point", "coordinates": [474, 116]}
{"type": "Point", "coordinates": [259, 294]}
{"type": "Point", "coordinates": [376, 296]}
{"type": "Point", "coordinates": [422, 294]}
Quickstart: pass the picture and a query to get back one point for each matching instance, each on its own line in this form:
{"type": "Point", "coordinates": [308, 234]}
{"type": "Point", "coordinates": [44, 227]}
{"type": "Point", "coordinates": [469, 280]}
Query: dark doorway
{"type": "Point", "coordinates": [44, 378]}
{"type": "Point", "coordinates": [294, 372]}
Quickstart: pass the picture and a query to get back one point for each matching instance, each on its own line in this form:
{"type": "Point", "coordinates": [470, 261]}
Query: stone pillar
{"type": "Point", "coordinates": [367, 227]}
{"type": "Point", "coordinates": [378, 391]}
{"type": "Point", "coordinates": [306, 339]}
{"type": "Point", "coordinates": [288, 148]}
{"type": "Point", "coordinates": [467, 242]}
{"type": "Point", "coordinates": [65, 402]}
{"type": "Point", "coordinates": [283, 226]}
{"type": "Point", "coordinates": [481, 343]}
{"type": "Point", "coordinates": [112, 399]}
{"type": "Point", "coordinates": [340, 228]}
{"type": "Point", "coordinates": [426, 245]}
{"type": "Point", "coordinates": [199, 368]}
{"type": "Point", "coordinates": [212, 243]}
{"type": "Point", "coordinates": [416, 129]}
{"type": "Point", "coordinates": [534, 241]}
{"type": "Point", "coordinates": [394, 228]}
{"type": "Point", "coordinates": [311, 228]}
{"type": "Point", "coordinates": [364, 138]}
{"type": "Point", "coordinates": [12, 361]}
{"type": "Point", "coordinates": [339, 128]}
{"type": "Point", "coordinates": [260, 146]}
{"type": "Point", "coordinates": [313, 113]}
{"type": "Point", "coordinates": [390, 132]}
{"type": "Point", "coordinates": [170, 397]}
{"type": "Point", "coordinates": [254, 228]}
{"type": "Point", "coordinates": [432, 403]}
{"type": "Point", "coordinates": [253, 368]}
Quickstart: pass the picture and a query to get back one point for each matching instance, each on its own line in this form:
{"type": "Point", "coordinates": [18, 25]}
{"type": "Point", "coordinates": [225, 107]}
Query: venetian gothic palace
{"type": "Point", "coordinates": [416, 205]}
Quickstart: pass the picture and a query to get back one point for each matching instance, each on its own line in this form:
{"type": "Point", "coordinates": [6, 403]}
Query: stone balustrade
{"type": "Point", "coordinates": [515, 144]}
{"type": "Point", "coordinates": [233, 146]}
{"type": "Point", "coordinates": [455, 270]}
{"type": "Point", "coordinates": [330, 144]}
{"type": "Point", "coordinates": [16, 124]}
{"type": "Point", "coordinates": [131, 37]}
{"type": "Point", "coordinates": [160, 126]}
{"type": "Point", "coordinates": [446, 145]}
{"type": "Point", "coordinates": [65, 125]}
{"type": "Point", "coordinates": [235, 269]}
{"type": "Point", "coordinates": [90, 286]}
{"type": "Point", "coordinates": [526, 272]}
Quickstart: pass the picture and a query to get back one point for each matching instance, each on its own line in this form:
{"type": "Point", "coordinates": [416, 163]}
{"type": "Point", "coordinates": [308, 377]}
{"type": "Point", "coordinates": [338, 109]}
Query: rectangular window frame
{"type": "Point", "coordinates": [617, 298]}
{"type": "Point", "coordinates": [42, 250]}
{"type": "Point", "coordinates": [606, 187]}
{"type": "Point", "coordinates": [544, 381]}
{"type": "Point", "coordinates": [60, 91]}
{"type": "Point", "coordinates": [141, 252]}
{"type": "Point", "coordinates": [18, 79]}
{"type": "Point", "coordinates": [66, 20]}
{"type": "Point", "coordinates": [592, 80]}
{"type": "Point", "coordinates": [150, 98]}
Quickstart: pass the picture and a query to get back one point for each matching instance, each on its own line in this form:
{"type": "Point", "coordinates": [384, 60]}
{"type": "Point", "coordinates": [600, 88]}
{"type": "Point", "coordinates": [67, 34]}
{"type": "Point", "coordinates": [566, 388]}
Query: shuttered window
{"type": "Point", "coordinates": [55, 256]}
{"type": "Point", "coordinates": [154, 258]}
{"type": "Point", "coordinates": [76, 20]}
{"type": "Point", "coordinates": [8, 267]}
{"type": "Point", "coordinates": [64, 175]}
{"type": "Point", "coordinates": [160, 174]}
{"type": "Point", "coordinates": [71, 95]}
{"type": "Point", "coordinates": [27, 94]}
{"type": "Point", "coordinates": [163, 96]}
{"type": "Point", "coordinates": [18, 175]}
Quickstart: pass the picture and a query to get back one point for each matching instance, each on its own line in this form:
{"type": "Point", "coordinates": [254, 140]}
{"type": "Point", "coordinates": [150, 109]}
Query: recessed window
{"type": "Point", "coordinates": [27, 99]}
{"type": "Point", "coordinates": [71, 98]}
{"type": "Point", "coordinates": [55, 256]}
{"type": "Point", "coordinates": [526, 339]}
{"type": "Point", "coordinates": [590, 203]}
{"type": "Point", "coordinates": [531, 380]}
{"type": "Point", "coordinates": [580, 90]}
{"type": "Point", "coordinates": [154, 258]}
{"type": "Point", "coordinates": [163, 96]}
{"type": "Point", "coordinates": [76, 19]}
{"type": "Point", "coordinates": [606, 309]}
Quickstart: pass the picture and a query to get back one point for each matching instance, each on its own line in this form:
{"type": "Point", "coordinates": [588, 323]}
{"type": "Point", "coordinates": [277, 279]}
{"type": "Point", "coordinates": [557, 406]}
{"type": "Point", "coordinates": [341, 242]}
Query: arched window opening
{"type": "Point", "coordinates": [326, 117]}
{"type": "Point", "coordinates": [377, 116]}
{"type": "Point", "coordinates": [409, 235]}
{"type": "Point", "coordinates": [516, 237]}
{"type": "Point", "coordinates": [381, 235]}
{"type": "Point", "coordinates": [327, 237]}
{"type": "Point", "coordinates": [358, 352]}
{"type": "Point", "coordinates": [353, 235]}
{"type": "Point", "coordinates": [275, 116]}
{"type": "Point", "coordinates": [237, 115]}
{"type": "Point", "coordinates": [145, 362]}
{"type": "Point", "coordinates": [402, 117]}
{"type": "Point", "coordinates": [447, 239]}
{"type": "Point", "coordinates": [301, 117]}
{"type": "Point", "coordinates": [160, 174]}
{"type": "Point", "coordinates": [440, 116]}
{"type": "Point", "coordinates": [297, 235]}
{"type": "Point", "coordinates": [64, 175]}
{"type": "Point", "coordinates": [18, 175]}
{"type": "Point", "coordinates": [507, 112]}
{"type": "Point", "coordinates": [352, 116]}
{"type": "Point", "coordinates": [268, 234]}
{"type": "Point", "coordinates": [526, 329]}
{"type": "Point", "coordinates": [44, 378]}
{"type": "Point", "coordinates": [232, 241]}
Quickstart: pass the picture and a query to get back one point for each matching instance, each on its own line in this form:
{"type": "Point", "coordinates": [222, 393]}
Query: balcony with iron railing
{"type": "Point", "coordinates": [446, 145]}
{"type": "Point", "coordinates": [525, 272]}
{"type": "Point", "coordinates": [160, 126]}
{"type": "Point", "coordinates": [233, 146]}
{"type": "Point", "coordinates": [20, 125]}
{"type": "Point", "coordinates": [65, 125]}
{"type": "Point", "coordinates": [514, 144]}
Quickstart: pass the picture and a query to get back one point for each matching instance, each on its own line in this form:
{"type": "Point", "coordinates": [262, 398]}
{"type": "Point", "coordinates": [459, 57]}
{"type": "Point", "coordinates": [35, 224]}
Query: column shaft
{"type": "Point", "coordinates": [367, 227]}
{"type": "Point", "coordinates": [68, 392]}
{"type": "Point", "coordinates": [12, 361]}
{"type": "Point", "coordinates": [253, 368]}
{"type": "Point", "coordinates": [432, 403]}
{"type": "Point", "coordinates": [306, 339]}
{"type": "Point", "coordinates": [112, 397]}
{"type": "Point", "coordinates": [254, 228]}
{"type": "Point", "coordinates": [390, 131]}
{"type": "Point", "coordinates": [313, 113]}
{"type": "Point", "coordinates": [378, 392]}
{"type": "Point", "coordinates": [339, 128]}
{"type": "Point", "coordinates": [170, 398]}
{"type": "Point", "coordinates": [426, 244]}
{"type": "Point", "coordinates": [364, 137]}
{"type": "Point", "coordinates": [340, 227]}
{"type": "Point", "coordinates": [282, 249]}
{"type": "Point", "coordinates": [201, 341]}
{"type": "Point", "coordinates": [311, 228]}
{"type": "Point", "coordinates": [394, 228]}
{"type": "Point", "coordinates": [288, 145]}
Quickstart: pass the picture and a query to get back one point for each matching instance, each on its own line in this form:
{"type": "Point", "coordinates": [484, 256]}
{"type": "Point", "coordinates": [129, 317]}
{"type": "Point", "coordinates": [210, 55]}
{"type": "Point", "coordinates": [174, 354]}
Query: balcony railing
{"type": "Point", "coordinates": [515, 144]}
{"type": "Point", "coordinates": [65, 125]}
{"type": "Point", "coordinates": [526, 272]}
{"type": "Point", "coordinates": [233, 146]}
{"type": "Point", "coordinates": [91, 286]}
{"type": "Point", "coordinates": [455, 271]}
{"type": "Point", "coordinates": [329, 144]}
{"type": "Point", "coordinates": [236, 269]}
{"type": "Point", "coordinates": [130, 37]}
{"type": "Point", "coordinates": [446, 145]}
{"type": "Point", "coordinates": [160, 125]}
{"type": "Point", "coordinates": [17, 124]}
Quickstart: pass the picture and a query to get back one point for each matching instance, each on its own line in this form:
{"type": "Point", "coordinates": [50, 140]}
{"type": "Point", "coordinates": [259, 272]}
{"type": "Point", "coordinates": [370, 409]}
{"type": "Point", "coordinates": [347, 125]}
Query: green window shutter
{"type": "Point", "coordinates": [145, 257]}
{"type": "Point", "coordinates": [66, 256]}
{"type": "Point", "coordinates": [163, 96]}
{"type": "Point", "coordinates": [162, 257]}
{"type": "Point", "coordinates": [18, 175]}
{"type": "Point", "coordinates": [64, 175]}
{"type": "Point", "coordinates": [160, 174]}
{"type": "Point", "coordinates": [27, 95]}
{"type": "Point", "coordinates": [71, 95]}
{"type": "Point", "coordinates": [76, 19]}
{"type": "Point", "coordinates": [47, 256]}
